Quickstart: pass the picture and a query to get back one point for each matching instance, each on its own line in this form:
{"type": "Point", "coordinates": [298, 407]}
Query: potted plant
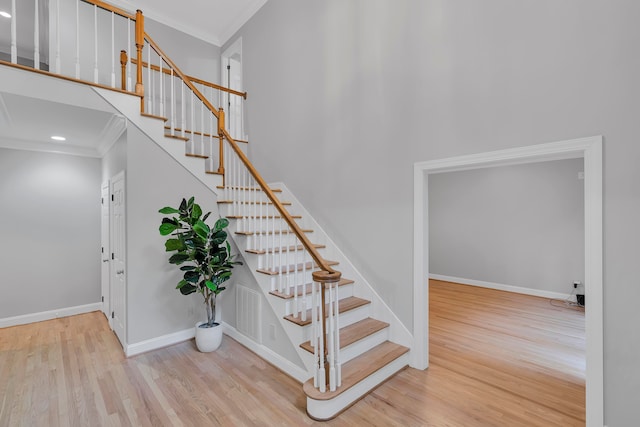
{"type": "Point", "coordinates": [204, 256]}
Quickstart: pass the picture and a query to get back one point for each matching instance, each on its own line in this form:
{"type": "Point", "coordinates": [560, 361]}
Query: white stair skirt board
{"type": "Point", "coordinates": [322, 410]}
{"type": "Point", "coordinates": [48, 315]}
{"type": "Point", "coordinates": [501, 287]}
{"type": "Point", "coordinates": [159, 342]}
{"type": "Point", "coordinates": [294, 371]}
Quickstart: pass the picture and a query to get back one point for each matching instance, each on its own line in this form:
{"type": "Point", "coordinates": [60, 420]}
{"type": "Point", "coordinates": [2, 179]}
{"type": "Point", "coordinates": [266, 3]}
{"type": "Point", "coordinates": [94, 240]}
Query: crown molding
{"type": "Point", "coordinates": [233, 27]}
{"type": "Point", "coordinates": [111, 132]}
{"type": "Point", "coordinates": [48, 147]}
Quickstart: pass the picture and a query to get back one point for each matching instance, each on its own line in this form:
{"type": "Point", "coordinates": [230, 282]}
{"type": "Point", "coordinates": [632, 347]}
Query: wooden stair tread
{"type": "Point", "coordinates": [229, 202]}
{"type": "Point", "coordinates": [251, 233]}
{"type": "Point", "coordinates": [294, 267]}
{"type": "Point", "coordinates": [199, 156]}
{"type": "Point", "coordinates": [181, 138]}
{"type": "Point", "coordinates": [278, 250]}
{"type": "Point", "coordinates": [214, 173]}
{"type": "Point", "coordinates": [354, 332]}
{"type": "Point", "coordinates": [222, 187]}
{"type": "Point", "coordinates": [344, 305]}
{"type": "Point", "coordinates": [151, 116]}
{"type": "Point", "coordinates": [306, 289]}
{"type": "Point", "coordinates": [206, 135]}
{"type": "Point", "coordinates": [359, 368]}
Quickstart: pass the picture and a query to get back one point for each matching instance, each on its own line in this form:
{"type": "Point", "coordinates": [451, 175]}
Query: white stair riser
{"type": "Point", "coordinates": [360, 347]}
{"type": "Point", "coordinates": [256, 223]}
{"type": "Point", "coordinates": [283, 258]}
{"type": "Point", "coordinates": [327, 409]}
{"type": "Point", "coordinates": [269, 240]}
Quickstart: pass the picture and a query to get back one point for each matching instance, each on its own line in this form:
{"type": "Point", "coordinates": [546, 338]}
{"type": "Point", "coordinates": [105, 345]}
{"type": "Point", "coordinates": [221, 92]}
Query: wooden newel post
{"type": "Point", "coordinates": [325, 278]}
{"type": "Point", "coordinates": [139, 47]}
{"type": "Point", "coordinates": [123, 66]}
{"type": "Point", "coordinates": [221, 138]}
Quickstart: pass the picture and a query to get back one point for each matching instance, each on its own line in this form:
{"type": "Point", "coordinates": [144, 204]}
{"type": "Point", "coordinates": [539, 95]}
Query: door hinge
{"type": "Point", "coordinates": [102, 249]}
{"type": "Point", "coordinates": [112, 199]}
{"type": "Point", "coordinates": [102, 200]}
{"type": "Point", "coordinates": [103, 299]}
{"type": "Point", "coordinates": [113, 314]}
{"type": "Point", "coordinates": [112, 255]}
{"type": "Point", "coordinates": [228, 67]}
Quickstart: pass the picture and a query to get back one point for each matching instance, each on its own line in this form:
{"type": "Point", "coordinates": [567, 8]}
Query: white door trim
{"type": "Point", "coordinates": [588, 148]}
{"type": "Point", "coordinates": [105, 233]}
{"type": "Point", "coordinates": [118, 276]}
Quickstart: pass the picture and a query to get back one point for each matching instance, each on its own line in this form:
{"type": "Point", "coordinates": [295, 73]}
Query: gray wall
{"type": "Point", "coordinates": [50, 228]}
{"type": "Point", "coordinates": [194, 56]}
{"type": "Point", "coordinates": [357, 91]}
{"type": "Point", "coordinates": [115, 160]}
{"type": "Point", "coordinates": [513, 225]}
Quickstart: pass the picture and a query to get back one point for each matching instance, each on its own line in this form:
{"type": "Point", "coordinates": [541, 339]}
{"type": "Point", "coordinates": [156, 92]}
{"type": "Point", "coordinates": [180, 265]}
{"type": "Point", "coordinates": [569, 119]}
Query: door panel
{"type": "Point", "coordinates": [104, 237]}
{"type": "Point", "coordinates": [118, 257]}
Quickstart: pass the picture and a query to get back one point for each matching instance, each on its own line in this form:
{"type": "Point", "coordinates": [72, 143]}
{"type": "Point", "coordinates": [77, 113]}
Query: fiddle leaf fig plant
{"type": "Point", "coordinates": [202, 252]}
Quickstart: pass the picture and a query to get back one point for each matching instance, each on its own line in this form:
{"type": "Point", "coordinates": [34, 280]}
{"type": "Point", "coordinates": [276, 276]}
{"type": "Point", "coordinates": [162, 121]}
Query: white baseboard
{"type": "Point", "coordinates": [159, 342]}
{"type": "Point", "coordinates": [501, 287]}
{"type": "Point", "coordinates": [48, 315]}
{"type": "Point", "coordinates": [269, 355]}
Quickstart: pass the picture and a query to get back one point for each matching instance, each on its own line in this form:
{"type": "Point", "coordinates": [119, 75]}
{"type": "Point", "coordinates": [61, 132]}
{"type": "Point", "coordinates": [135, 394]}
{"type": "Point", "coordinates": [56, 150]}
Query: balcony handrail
{"type": "Point", "coordinates": [111, 8]}
{"type": "Point", "coordinates": [193, 79]}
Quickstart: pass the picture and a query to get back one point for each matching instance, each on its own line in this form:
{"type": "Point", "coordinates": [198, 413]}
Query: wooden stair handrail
{"type": "Point", "coordinates": [281, 209]}
{"type": "Point", "coordinates": [180, 74]}
{"type": "Point", "coordinates": [193, 79]}
{"type": "Point", "coordinates": [110, 8]}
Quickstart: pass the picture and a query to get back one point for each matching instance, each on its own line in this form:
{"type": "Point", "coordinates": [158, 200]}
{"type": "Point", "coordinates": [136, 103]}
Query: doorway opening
{"type": "Point", "coordinates": [590, 149]}
{"type": "Point", "coordinates": [231, 60]}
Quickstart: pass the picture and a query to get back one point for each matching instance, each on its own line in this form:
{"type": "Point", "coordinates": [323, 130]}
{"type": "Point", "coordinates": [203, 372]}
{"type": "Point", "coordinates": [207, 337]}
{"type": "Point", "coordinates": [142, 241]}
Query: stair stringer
{"type": "Point", "coordinates": [129, 107]}
{"type": "Point", "coordinates": [398, 333]}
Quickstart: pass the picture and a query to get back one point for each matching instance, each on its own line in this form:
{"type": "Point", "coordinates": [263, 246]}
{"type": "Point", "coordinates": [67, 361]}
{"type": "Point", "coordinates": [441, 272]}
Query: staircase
{"type": "Point", "coordinates": [347, 337]}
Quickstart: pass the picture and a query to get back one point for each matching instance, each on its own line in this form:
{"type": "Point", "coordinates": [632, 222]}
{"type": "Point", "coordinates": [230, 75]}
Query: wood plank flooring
{"type": "Point", "coordinates": [497, 359]}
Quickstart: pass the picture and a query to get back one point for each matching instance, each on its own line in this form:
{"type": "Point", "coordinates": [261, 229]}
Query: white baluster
{"type": "Point", "coordinates": [14, 37]}
{"type": "Point", "coordinates": [113, 51]}
{"type": "Point", "coordinates": [202, 128]}
{"type": "Point", "coordinates": [183, 109]}
{"type": "Point", "coordinates": [150, 104]}
{"type": "Point", "coordinates": [129, 86]}
{"type": "Point", "coordinates": [162, 113]}
{"type": "Point", "coordinates": [36, 37]}
{"type": "Point", "coordinates": [330, 341]}
{"type": "Point", "coordinates": [321, 332]}
{"type": "Point", "coordinates": [57, 54]}
{"type": "Point", "coordinates": [173, 104]}
{"type": "Point", "coordinates": [193, 134]}
{"type": "Point", "coordinates": [304, 293]}
{"type": "Point", "coordinates": [314, 333]}
{"type": "Point", "coordinates": [95, 43]}
{"type": "Point", "coordinates": [77, 39]}
{"type": "Point", "coordinates": [338, 365]}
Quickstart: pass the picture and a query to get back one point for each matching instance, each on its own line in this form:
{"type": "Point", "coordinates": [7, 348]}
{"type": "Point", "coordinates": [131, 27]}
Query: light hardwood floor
{"type": "Point", "coordinates": [497, 359]}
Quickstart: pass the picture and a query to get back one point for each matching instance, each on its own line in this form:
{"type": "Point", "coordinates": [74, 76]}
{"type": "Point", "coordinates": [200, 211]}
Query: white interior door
{"type": "Point", "coordinates": [106, 254]}
{"type": "Point", "coordinates": [118, 258]}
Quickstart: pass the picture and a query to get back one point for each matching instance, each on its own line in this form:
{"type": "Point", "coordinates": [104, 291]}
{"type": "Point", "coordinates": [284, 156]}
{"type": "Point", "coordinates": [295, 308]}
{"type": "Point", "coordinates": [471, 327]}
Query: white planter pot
{"type": "Point", "coordinates": [208, 339]}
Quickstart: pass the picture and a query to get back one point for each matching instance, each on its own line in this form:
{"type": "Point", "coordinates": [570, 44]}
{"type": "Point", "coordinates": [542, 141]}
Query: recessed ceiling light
{"type": "Point", "coordinates": [5, 14]}
{"type": "Point", "coordinates": [58, 138]}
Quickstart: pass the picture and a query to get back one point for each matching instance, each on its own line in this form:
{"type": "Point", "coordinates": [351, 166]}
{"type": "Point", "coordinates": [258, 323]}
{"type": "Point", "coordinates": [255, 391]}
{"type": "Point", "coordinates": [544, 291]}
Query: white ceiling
{"type": "Point", "coordinates": [214, 21]}
{"type": "Point", "coordinates": [28, 124]}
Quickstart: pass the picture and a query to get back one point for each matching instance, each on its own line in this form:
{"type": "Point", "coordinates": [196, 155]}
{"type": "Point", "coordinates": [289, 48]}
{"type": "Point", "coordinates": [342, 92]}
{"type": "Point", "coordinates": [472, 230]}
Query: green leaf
{"type": "Point", "coordinates": [178, 258]}
{"type": "Point", "coordinates": [181, 283]}
{"type": "Point", "coordinates": [174, 245]}
{"type": "Point", "coordinates": [183, 205]}
{"type": "Point", "coordinates": [221, 223]}
{"type": "Point", "coordinates": [201, 229]}
{"type": "Point", "coordinates": [206, 216]}
{"type": "Point", "coordinates": [197, 211]}
{"type": "Point", "coordinates": [190, 202]}
{"type": "Point", "coordinates": [188, 267]}
{"type": "Point", "coordinates": [167, 228]}
{"type": "Point", "coordinates": [192, 276]}
{"type": "Point", "coordinates": [188, 289]}
{"type": "Point", "coordinates": [211, 285]}
{"type": "Point", "coordinates": [168, 210]}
